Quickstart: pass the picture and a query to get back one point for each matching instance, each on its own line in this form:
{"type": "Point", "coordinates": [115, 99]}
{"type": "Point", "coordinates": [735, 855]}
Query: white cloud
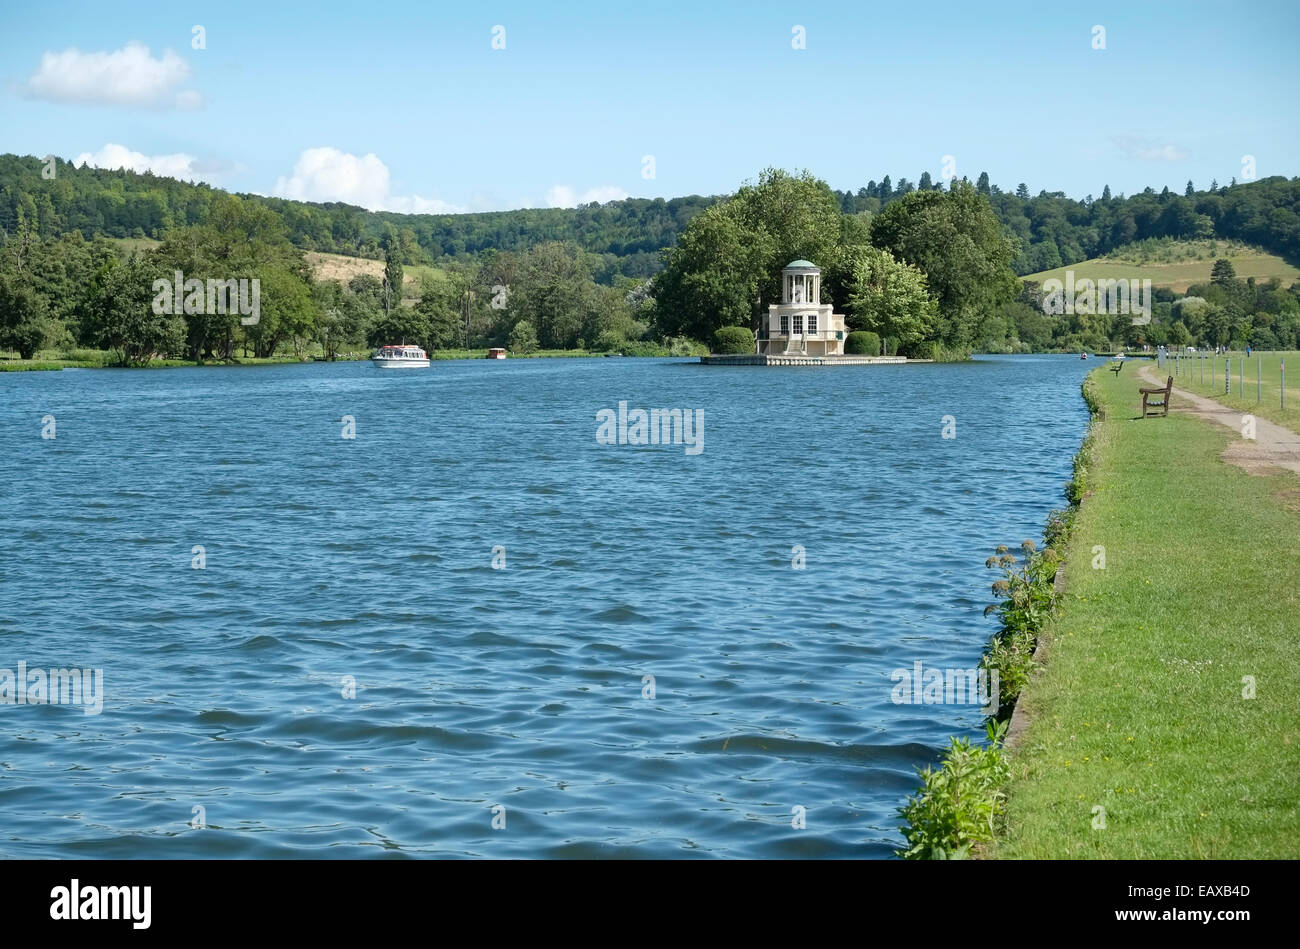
{"type": "Point", "coordinates": [414, 204]}
{"type": "Point", "coordinates": [128, 76]}
{"type": "Point", "coordinates": [1147, 150]}
{"type": "Point", "coordinates": [178, 165]}
{"type": "Point", "coordinates": [327, 174]}
{"type": "Point", "coordinates": [563, 196]}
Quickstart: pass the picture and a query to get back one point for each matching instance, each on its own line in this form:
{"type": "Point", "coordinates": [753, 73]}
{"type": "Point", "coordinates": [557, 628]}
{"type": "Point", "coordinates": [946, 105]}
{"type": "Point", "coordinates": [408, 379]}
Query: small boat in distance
{"type": "Point", "coordinates": [1083, 355]}
{"type": "Point", "coordinates": [496, 352]}
{"type": "Point", "coordinates": [401, 357]}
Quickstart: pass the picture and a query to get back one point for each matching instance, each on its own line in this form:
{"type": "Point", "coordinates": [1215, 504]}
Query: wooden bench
{"type": "Point", "coordinates": [1157, 398]}
{"type": "Point", "coordinates": [1116, 366]}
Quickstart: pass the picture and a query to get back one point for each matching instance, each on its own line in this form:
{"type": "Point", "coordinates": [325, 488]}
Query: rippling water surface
{"type": "Point", "coordinates": [522, 687]}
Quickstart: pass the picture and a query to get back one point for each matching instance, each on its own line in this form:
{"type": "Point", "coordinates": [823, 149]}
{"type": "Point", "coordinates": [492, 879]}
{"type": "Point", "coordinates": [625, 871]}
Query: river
{"type": "Point", "coordinates": [681, 650]}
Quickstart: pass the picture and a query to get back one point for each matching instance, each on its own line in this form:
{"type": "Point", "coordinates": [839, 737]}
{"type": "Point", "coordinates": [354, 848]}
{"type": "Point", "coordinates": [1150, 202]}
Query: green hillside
{"type": "Point", "coordinates": [627, 237]}
{"type": "Point", "coordinates": [1176, 264]}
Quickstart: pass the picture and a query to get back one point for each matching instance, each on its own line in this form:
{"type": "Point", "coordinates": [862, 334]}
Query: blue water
{"type": "Point", "coordinates": [481, 688]}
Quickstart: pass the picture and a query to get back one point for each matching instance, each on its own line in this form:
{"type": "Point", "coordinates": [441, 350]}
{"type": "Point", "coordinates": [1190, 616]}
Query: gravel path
{"type": "Point", "coordinates": [1272, 447]}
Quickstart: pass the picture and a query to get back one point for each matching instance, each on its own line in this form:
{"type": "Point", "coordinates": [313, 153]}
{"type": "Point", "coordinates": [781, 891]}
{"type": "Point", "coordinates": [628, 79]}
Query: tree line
{"type": "Point", "coordinates": [62, 292]}
{"type": "Point", "coordinates": [932, 271]}
{"type": "Point", "coordinates": [1055, 231]}
{"type": "Point", "coordinates": [626, 237]}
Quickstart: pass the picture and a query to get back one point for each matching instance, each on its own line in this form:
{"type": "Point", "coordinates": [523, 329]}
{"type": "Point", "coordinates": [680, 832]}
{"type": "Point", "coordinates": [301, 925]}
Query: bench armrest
{"type": "Point", "coordinates": [1149, 391]}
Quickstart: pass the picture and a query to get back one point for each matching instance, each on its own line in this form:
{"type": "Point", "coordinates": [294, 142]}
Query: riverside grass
{"type": "Point", "coordinates": [1202, 373]}
{"type": "Point", "coordinates": [103, 359]}
{"type": "Point", "coordinates": [1140, 742]}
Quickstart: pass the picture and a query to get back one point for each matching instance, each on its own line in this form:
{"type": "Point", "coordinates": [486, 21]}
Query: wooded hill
{"type": "Point", "coordinates": [626, 236]}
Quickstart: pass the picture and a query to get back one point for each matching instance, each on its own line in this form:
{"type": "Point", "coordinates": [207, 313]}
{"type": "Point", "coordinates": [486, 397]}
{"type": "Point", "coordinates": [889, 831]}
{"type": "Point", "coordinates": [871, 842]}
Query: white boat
{"type": "Point", "coordinates": [496, 352]}
{"type": "Point", "coordinates": [401, 357]}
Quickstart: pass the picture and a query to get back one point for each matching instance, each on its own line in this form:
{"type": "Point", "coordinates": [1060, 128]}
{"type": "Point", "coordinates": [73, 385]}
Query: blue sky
{"type": "Point", "coordinates": [406, 105]}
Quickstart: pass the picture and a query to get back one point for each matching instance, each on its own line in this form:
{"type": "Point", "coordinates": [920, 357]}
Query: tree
{"type": "Point", "coordinates": [241, 239]}
{"type": "Point", "coordinates": [523, 338]}
{"type": "Point", "coordinates": [982, 183]}
{"type": "Point", "coordinates": [726, 267]}
{"type": "Point", "coordinates": [329, 321]}
{"type": "Point", "coordinates": [369, 287]}
{"type": "Point", "coordinates": [1189, 190]}
{"type": "Point", "coordinates": [1179, 335]}
{"type": "Point", "coordinates": [288, 311]}
{"type": "Point", "coordinates": [442, 306]}
{"type": "Point", "coordinates": [1032, 327]}
{"type": "Point", "coordinates": [554, 293]}
{"type": "Point", "coordinates": [839, 268]}
{"type": "Point", "coordinates": [358, 314]}
{"type": "Point", "coordinates": [955, 239]}
{"type": "Point", "coordinates": [392, 283]}
{"type": "Point", "coordinates": [711, 278]}
{"type": "Point", "coordinates": [1223, 273]}
{"type": "Point", "coordinates": [25, 325]}
{"type": "Point", "coordinates": [889, 298]}
{"type": "Point", "coordinates": [124, 316]}
{"type": "Point", "coordinates": [1022, 191]}
{"type": "Point", "coordinates": [799, 217]}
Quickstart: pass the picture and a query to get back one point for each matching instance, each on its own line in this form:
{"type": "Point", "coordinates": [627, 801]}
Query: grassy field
{"type": "Point", "coordinates": [1140, 708]}
{"type": "Point", "coordinates": [325, 266]}
{"type": "Point", "coordinates": [1262, 395]}
{"type": "Point", "coordinates": [1177, 264]}
{"type": "Point", "coordinates": [101, 359]}
{"type": "Point", "coordinates": [338, 267]}
{"type": "Point", "coordinates": [129, 244]}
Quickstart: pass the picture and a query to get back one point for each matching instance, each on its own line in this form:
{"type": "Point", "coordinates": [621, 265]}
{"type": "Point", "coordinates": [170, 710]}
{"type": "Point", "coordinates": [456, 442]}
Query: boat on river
{"type": "Point", "coordinates": [401, 357]}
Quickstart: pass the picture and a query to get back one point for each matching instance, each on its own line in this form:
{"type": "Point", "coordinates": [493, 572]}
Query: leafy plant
{"type": "Point", "coordinates": [959, 803]}
{"type": "Point", "coordinates": [733, 339]}
{"type": "Point", "coordinates": [1028, 592]}
{"type": "Point", "coordinates": [862, 343]}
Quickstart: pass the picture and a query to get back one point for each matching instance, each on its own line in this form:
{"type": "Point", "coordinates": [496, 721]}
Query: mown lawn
{"type": "Point", "coordinates": [1139, 709]}
{"type": "Point", "coordinates": [1203, 374]}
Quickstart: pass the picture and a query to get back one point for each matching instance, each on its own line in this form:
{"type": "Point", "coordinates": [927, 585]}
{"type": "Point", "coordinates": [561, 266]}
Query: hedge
{"type": "Point", "coordinates": [862, 343]}
{"type": "Point", "coordinates": [733, 339]}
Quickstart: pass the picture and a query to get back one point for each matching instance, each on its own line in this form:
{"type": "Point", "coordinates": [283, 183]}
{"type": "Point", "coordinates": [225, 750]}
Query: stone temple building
{"type": "Point", "coordinates": [801, 324]}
